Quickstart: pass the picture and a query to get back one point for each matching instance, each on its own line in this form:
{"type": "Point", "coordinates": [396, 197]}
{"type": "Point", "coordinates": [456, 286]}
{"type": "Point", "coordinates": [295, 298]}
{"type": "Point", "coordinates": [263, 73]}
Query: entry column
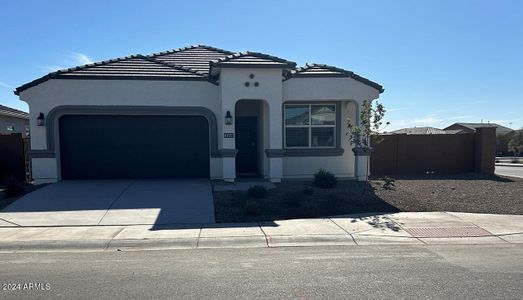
{"type": "Point", "coordinates": [275, 150]}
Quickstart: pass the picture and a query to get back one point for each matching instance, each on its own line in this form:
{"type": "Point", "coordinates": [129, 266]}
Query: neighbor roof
{"type": "Point", "coordinates": [422, 130]}
{"type": "Point", "coordinates": [322, 70]}
{"type": "Point", "coordinates": [190, 63]}
{"type": "Point", "coordinates": [473, 126]}
{"type": "Point", "coordinates": [11, 112]}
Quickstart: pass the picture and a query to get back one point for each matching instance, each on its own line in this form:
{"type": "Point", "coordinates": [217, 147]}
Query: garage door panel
{"type": "Point", "coordinates": [108, 147]}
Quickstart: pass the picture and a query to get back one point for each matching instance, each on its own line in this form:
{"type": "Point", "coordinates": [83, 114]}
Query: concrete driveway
{"type": "Point", "coordinates": [113, 202]}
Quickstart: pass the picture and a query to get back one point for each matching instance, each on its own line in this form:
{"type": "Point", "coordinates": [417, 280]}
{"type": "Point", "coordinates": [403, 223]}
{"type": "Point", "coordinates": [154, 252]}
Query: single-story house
{"type": "Point", "coordinates": [13, 121]}
{"type": "Point", "coordinates": [195, 112]}
{"type": "Point", "coordinates": [423, 130]}
{"type": "Point", "coordinates": [471, 127]}
{"type": "Point", "coordinates": [503, 134]}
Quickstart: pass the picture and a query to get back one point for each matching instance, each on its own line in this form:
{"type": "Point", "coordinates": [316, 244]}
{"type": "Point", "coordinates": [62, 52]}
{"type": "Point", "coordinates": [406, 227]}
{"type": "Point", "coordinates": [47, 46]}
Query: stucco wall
{"type": "Point", "coordinates": [57, 92]}
{"type": "Point", "coordinates": [327, 88]}
{"type": "Point", "coordinates": [19, 125]}
{"type": "Point", "coordinates": [342, 166]}
{"type": "Point", "coordinates": [219, 99]}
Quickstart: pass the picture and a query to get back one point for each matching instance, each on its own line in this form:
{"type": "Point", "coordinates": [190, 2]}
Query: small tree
{"type": "Point", "coordinates": [371, 121]}
{"type": "Point", "coordinates": [516, 144]}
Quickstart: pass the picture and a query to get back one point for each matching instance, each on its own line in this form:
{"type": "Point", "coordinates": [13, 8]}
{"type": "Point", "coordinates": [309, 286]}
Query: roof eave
{"type": "Point", "coordinates": [363, 80]}
{"type": "Point", "coordinates": [45, 78]}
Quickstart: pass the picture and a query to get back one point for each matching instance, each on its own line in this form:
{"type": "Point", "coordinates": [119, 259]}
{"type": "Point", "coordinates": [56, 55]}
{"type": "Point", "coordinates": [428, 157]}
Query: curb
{"type": "Point", "coordinates": [510, 165]}
{"type": "Point", "coordinates": [235, 242]}
{"type": "Point", "coordinates": [53, 245]}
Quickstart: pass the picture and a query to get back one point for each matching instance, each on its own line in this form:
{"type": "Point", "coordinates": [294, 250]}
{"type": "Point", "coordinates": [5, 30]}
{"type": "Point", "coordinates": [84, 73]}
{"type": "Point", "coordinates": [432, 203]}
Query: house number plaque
{"type": "Point", "coordinates": [228, 135]}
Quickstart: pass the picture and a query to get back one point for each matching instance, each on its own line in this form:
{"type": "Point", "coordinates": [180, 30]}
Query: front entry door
{"type": "Point", "coordinates": [247, 145]}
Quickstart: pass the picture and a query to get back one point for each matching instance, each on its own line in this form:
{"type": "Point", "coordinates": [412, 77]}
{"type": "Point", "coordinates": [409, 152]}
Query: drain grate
{"type": "Point", "coordinates": [447, 231]}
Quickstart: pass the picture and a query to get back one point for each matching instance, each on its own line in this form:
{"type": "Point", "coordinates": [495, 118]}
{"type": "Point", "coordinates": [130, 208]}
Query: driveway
{"type": "Point", "coordinates": [113, 202]}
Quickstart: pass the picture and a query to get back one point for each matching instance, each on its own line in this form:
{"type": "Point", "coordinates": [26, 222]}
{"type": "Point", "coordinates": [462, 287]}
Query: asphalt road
{"type": "Point", "coordinates": [448, 272]}
{"type": "Point", "coordinates": [510, 171]}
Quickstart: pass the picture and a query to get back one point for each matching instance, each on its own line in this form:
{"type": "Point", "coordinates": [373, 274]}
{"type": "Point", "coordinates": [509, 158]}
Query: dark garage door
{"type": "Point", "coordinates": [109, 147]}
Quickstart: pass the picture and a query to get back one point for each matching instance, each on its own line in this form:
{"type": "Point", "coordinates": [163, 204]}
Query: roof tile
{"type": "Point", "coordinates": [11, 112]}
{"type": "Point", "coordinates": [322, 70]}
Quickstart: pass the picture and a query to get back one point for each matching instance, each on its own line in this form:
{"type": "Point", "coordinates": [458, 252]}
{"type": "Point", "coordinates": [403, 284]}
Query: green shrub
{"type": "Point", "coordinates": [252, 207]}
{"type": "Point", "coordinates": [388, 183]}
{"type": "Point", "coordinates": [13, 187]}
{"type": "Point", "coordinates": [257, 191]}
{"type": "Point", "coordinates": [307, 190]}
{"type": "Point", "coordinates": [325, 179]}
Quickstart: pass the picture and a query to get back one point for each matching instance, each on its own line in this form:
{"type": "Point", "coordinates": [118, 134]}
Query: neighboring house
{"type": "Point", "coordinates": [424, 130]}
{"type": "Point", "coordinates": [471, 127]}
{"type": "Point", "coordinates": [13, 121]}
{"type": "Point", "coordinates": [195, 112]}
{"type": "Point", "coordinates": [503, 134]}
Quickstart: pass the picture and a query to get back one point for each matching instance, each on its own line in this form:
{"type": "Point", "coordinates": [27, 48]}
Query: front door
{"type": "Point", "coordinates": [247, 145]}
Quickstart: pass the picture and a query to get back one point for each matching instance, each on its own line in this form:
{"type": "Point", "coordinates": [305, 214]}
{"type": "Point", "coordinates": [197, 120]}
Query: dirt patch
{"type": "Point", "coordinates": [460, 193]}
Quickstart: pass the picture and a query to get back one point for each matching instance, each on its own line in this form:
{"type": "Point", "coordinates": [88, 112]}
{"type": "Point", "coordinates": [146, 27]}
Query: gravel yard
{"type": "Point", "coordinates": [459, 193]}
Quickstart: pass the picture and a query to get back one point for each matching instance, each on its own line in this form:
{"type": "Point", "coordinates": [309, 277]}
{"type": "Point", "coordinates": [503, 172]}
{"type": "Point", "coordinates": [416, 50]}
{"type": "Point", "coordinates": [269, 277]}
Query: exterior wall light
{"type": "Point", "coordinates": [228, 118]}
{"type": "Point", "coordinates": [40, 120]}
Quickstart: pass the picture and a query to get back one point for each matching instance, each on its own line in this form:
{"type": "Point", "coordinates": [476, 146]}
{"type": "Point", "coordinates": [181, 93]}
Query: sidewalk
{"type": "Point", "coordinates": [365, 229]}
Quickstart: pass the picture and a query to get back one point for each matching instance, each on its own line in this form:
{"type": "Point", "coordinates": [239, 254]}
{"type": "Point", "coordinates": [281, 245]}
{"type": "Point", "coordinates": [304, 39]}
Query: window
{"type": "Point", "coordinates": [10, 128]}
{"type": "Point", "coordinates": [310, 126]}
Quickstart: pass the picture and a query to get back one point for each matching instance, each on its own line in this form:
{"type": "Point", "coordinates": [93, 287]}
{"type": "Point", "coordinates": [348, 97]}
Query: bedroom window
{"type": "Point", "coordinates": [310, 125]}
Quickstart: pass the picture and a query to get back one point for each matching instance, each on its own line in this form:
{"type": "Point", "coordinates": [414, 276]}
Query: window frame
{"type": "Point", "coordinates": [310, 125]}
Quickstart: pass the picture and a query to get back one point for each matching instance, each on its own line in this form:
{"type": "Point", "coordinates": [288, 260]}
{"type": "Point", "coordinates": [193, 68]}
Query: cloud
{"type": "Point", "coordinates": [428, 120]}
{"type": "Point", "coordinates": [394, 109]}
{"type": "Point", "coordinates": [5, 85]}
{"type": "Point", "coordinates": [52, 68]}
{"type": "Point", "coordinates": [460, 117]}
{"type": "Point", "coordinates": [81, 58]}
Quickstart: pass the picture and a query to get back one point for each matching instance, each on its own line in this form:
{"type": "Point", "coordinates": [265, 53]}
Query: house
{"type": "Point", "coordinates": [471, 127]}
{"type": "Point", "coordinates": [195, 112]}
{"type": "Point", "coordinates": [13, 121]}
{"type": "Point", "coordinates": [424, 130]}
{"type": "Point", "coordinates": [503, 134]}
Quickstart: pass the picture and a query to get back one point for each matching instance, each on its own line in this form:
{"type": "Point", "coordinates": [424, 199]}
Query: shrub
{"type": "Point", "coordinates": [307, 190]}
{"type": "Point", "coordinates": [252, 208]}
{"type": "Point", "coordinates": [388, 183]}
{"type": "Point", "coordinates": [13, 187]}
{"type": "Point", "coordinates": [325, 179]}
{"type": "Point", "coordinates": [257, 191]}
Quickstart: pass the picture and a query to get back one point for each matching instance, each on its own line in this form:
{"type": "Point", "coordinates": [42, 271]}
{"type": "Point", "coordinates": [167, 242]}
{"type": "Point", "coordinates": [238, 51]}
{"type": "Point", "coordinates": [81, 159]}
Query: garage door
{"type": "Point", "coordinates": [110, 147]}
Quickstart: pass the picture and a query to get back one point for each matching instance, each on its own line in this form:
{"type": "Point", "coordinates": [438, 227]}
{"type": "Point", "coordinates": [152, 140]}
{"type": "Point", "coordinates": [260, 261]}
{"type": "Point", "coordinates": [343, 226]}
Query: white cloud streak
{"type": "Point", "coordinates": [52, 68]}
{"type": "Point", "coordinates": [5, 85]}
{"type": "Point", "coordinates": [81, 58]}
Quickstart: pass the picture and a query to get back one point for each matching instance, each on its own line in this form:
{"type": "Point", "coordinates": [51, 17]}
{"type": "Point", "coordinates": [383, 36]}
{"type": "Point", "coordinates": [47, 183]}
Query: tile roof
{"type": "Point", "coordinates": [131, 66]}
{"type": "Point", "coordinates": [11, 112]}
{"type": "Point", "coordinates": [252, 59]}
{"type": "Point", "coordinates": [322, 70]}
{"type": "Point", "coordinates": [499, 128]}
{"type": "Point", "coordinates": [423, 130]}
{"type": "Point", "coordinates": [190, 63]}
{"type": "Point", "coordinates": [196, 57]}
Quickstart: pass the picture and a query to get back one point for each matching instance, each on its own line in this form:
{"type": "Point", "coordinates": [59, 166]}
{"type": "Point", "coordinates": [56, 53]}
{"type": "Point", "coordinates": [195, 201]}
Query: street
{"type": "Point", "coordinates": [447, 271]}
{"type": "Point", "coordinates": [510, 171]}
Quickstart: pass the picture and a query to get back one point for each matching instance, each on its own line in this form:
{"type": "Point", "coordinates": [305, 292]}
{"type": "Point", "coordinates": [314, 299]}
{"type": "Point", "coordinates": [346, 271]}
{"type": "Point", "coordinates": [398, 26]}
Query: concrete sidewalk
{"type": "Point", "coordinates": [365, 229]}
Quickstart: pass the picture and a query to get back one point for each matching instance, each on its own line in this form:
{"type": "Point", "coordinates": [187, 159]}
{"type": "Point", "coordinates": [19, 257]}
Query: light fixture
{"type": "Point", "coordinates": [40, 120]}
{"type": "Point", "coordinates": [228, 118]}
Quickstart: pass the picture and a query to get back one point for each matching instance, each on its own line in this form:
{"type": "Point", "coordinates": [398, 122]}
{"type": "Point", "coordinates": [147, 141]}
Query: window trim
{"type": "Point", "coordinates": [335, 126]}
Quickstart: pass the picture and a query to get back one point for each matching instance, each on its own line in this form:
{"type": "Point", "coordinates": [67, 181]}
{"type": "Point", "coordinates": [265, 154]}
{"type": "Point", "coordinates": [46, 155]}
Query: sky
{"type": "Point", "coordinates": [440, 61]}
